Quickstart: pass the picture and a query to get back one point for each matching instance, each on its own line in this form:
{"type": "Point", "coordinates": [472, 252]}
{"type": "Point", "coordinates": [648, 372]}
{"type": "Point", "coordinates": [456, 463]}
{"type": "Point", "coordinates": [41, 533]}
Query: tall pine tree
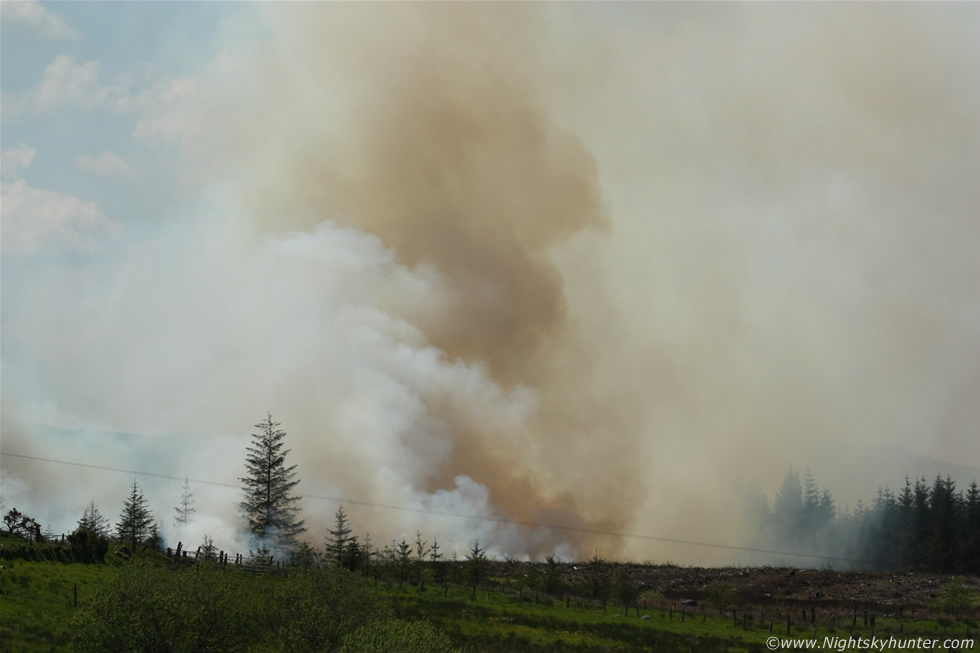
{"type": "Point", "coordinates": [136, 521]}
{"type": "Point", "coordinates": [270, 505]}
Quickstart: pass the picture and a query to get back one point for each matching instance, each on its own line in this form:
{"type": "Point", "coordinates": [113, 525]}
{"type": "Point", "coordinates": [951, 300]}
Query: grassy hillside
{"type": "Point", "coordinates": [37, 601]}
{"type": "Point", "coordinates": [38, 605]}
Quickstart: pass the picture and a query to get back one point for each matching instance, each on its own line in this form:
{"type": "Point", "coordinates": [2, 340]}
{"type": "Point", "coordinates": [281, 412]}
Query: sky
{"type": "Point", "coordinates": [601, 266]}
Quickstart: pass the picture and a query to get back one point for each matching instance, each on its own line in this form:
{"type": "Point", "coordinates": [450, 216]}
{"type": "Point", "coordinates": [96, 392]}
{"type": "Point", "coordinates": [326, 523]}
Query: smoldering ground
{"type": "Point", "coordinates": [595, 266]}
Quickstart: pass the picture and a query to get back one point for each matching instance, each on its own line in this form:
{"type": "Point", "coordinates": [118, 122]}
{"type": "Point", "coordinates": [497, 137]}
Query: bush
{"type": "Point", "coordinates": [397, 636]}
{"type": "Point", "coordinates": [312, 610]}
{"type": "Point", "coordinates": [955, 598]}
{"type": "Point", "coordinates": [150, 605]}
{"type": "Point", "coordinates": [87, 546]}
{"type": "Point", "coordinates": [146, 607]}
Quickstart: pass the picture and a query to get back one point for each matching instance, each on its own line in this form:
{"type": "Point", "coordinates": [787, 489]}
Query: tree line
{"type": "Point", "coordinates": [923, 526]}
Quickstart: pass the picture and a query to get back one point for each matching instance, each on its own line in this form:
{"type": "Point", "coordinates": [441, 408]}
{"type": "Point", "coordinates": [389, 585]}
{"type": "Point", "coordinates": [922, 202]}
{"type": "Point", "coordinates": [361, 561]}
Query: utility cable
{"type": "Point", "coordinates": [457, 515]}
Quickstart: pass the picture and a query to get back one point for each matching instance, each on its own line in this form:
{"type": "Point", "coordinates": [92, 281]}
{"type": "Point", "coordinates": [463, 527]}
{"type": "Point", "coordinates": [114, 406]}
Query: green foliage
{"type": "Point", "coordinates": [476, 566]}
{"type": "Point", "coordinates": [313, 610]}
{"type": "Point", "coordinates": [36, 601]}
{"type": "Point", "coordinates": [136, 523]}
{"type": "Point", "coordinates": [339, 539]}
{"type": "Point", "coordinates": [397, 636]}
{"type": "Point", "coordinates": [402, 560]}
{"type": "Point", "coordinates": [421, 550]}
{"type": "Point", "coordinates": [20, 524]}
{"type": "Point", "coordinates": [956, 598]}
{"type": "Point", "coordinates": [92, 520]}
{"type": "Point", "coordinates": [153, 605]}
{"type": "Point", "coordinates": [626, 588]}
{"type": "Point", "coordinates": [149, 607]}
{"type": "Point", "coordinates": [305, 555]}
{"type": "Point", "coordinates": [597, 578]}
{"type": "Point", "coordinates": [88, 546]}
{"type": "Point", "coordinates": [721, 596]}
{"type": "Point", "coordinates": [551, 581]}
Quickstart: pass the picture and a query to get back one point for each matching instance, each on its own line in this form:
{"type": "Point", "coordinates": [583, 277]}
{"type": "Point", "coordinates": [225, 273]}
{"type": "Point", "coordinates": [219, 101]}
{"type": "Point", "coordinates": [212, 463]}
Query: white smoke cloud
{"type": "Point", "coordinates": [204, 337]}
{"type": "Point", "coordinates": [788, 276]}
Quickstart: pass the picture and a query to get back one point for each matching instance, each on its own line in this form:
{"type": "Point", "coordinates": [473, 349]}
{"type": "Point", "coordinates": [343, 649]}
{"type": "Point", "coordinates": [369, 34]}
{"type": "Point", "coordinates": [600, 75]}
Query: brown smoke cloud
{"type": "Point", "coordinates": [450, 156]}
{"type": "Point", "coordinates": [595, 265]}
{"type": "Point", "coordinates": [765, 171]}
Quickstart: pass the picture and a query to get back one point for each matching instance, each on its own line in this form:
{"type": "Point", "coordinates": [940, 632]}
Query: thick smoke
{"type": "Point", "coordinates": [450, 156]}
{"type": "Point", "coordinates": [598, 266]}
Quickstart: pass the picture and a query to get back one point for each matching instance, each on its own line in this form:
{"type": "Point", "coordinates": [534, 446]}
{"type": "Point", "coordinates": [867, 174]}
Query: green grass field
{"type": "Point", "coordinates": [500, 623]}
{"type": "Point", "coordinates": [38, 601]}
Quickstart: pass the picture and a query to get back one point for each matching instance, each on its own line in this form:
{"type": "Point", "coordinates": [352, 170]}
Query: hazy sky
{"type": "Point", "coordinates": [593, 265]}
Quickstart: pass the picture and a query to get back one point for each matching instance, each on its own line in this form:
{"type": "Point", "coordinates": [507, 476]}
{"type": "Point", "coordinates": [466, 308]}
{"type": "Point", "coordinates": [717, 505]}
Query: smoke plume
{"type": "Point", "coordinates": [594, 266]}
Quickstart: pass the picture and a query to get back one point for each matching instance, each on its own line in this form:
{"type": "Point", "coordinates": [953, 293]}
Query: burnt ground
{"type": "Point", "coordinates": [789, 589]}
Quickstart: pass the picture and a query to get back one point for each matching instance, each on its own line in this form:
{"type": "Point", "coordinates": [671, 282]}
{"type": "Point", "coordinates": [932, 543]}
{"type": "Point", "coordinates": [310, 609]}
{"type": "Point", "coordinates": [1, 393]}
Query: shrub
{"type": "Point", "coordinates": [955, 598]}
{"type": "Point", "coordinates": [87, 546]}
{"type": "Point", "coordinates": [312, 610]}
{"type": "Point", "coordinates": [146, 607]}
{"type": "Point", "coordinates": [397, 636]}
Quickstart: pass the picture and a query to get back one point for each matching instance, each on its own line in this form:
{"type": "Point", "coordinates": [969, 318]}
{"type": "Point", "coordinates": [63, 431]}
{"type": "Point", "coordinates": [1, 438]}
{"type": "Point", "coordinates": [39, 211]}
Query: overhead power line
{"type": "Point", "coordinates": [455, 515]}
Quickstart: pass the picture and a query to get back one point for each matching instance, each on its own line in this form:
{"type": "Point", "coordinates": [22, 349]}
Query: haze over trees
{"type": "Point", "coordinates": [184, 509]}
{"type": "Point", "coordinates": [269, 504]}
{"type": "Point", "coordinates": [924, 526]}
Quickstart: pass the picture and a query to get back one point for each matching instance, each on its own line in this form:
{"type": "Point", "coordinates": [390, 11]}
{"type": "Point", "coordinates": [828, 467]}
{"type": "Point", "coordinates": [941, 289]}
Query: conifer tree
{"type": "Point", "coordinates": [269, 504]}
{"type": "Point", "coordinates": [403, 560]}
{"type": "Point", "coordinates": [421, 550]}
{"type": "Point", "coordinates": [93, 521]}
{"type": "Point", "coordinates": [368, 554]}
{"type": "Point", "coordinates": [339, 538]}
{"type": "Point", "coordinates": [184, 510]}
{"type": "Point", "coordinates": [438, 571]}
{"type": "Point", "coordinates": [136, 521]}
{"type": "Point", "coordinates": [476, 563]}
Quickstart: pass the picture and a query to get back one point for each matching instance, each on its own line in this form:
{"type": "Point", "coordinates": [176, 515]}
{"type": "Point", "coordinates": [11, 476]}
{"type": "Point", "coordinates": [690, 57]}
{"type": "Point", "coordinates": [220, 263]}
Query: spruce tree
{"type": "Point", "coordinates": [269, 504]}
{"type": "Point", "coordinates": [136, 521]}
{"type": "Point", "coordinates": [93, 521]}
{"type": "Point", "coordinates": [420, 552]}
{"type": "Point", "coordinates": [340, 536]}
{"type": "Point", "coordinates": [476, 565]}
